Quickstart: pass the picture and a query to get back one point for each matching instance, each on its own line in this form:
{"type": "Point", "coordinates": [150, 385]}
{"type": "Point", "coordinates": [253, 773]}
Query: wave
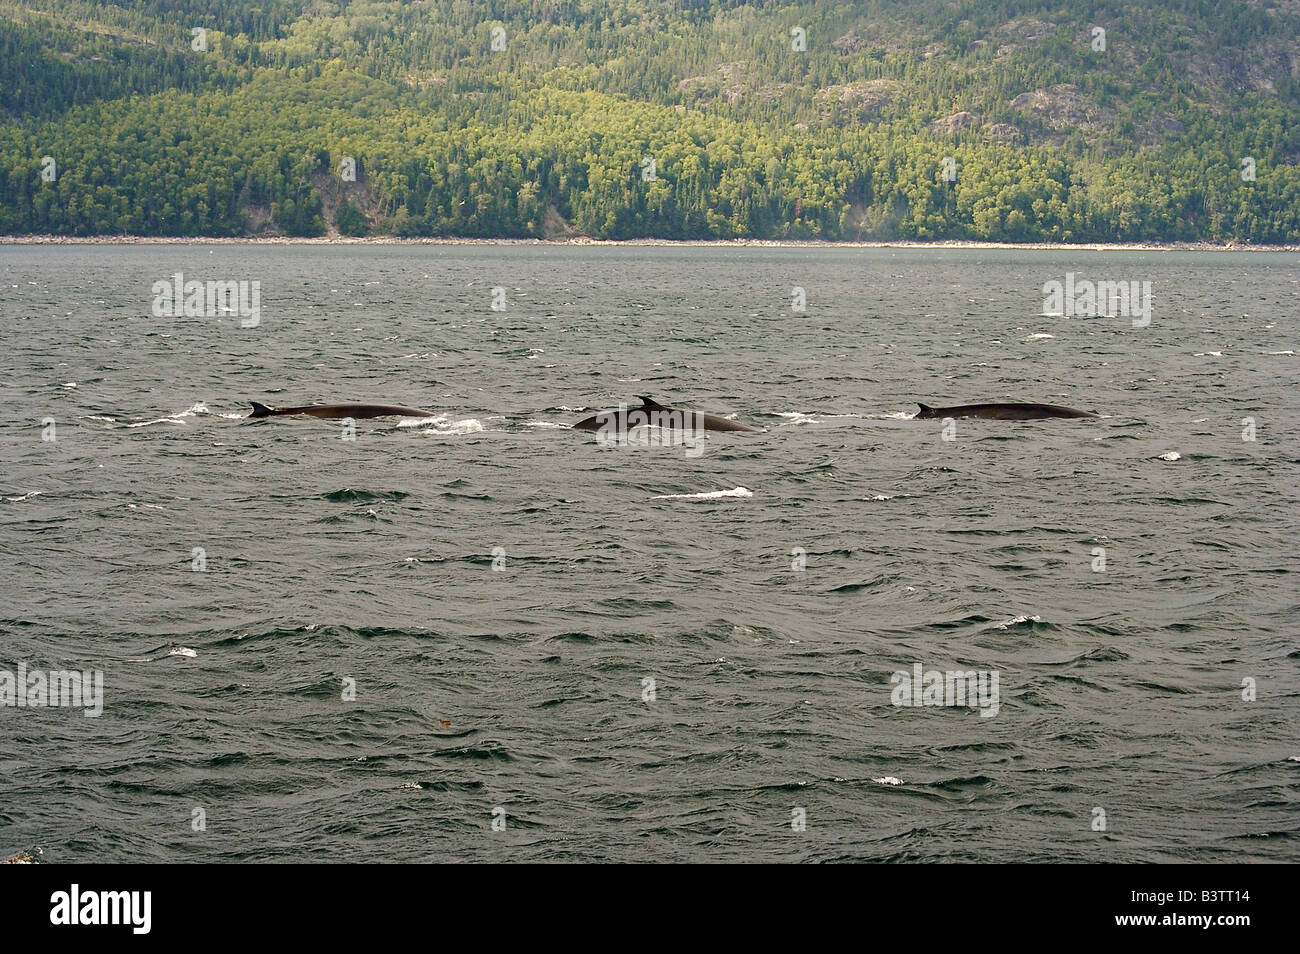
{"type": "Point", "coordinates": [443, 425]}
{"type": "Point", "coordinates": [184, 652]}
{"type": "Point", "coordinates": [1020, 621]}
{"type": "Point", "coordinates": [177, 418]}
{"type": "Point", "coordinates": [351, 494]}
{"type": "Point", "coordinates": [712, 495]}
{"type": "Point", "coordinates": [801, 417]}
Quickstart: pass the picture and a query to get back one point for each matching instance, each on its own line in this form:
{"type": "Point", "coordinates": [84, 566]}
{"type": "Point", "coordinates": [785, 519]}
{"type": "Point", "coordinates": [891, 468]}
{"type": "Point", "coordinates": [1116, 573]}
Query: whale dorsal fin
{"type": "Point", "coordinates": [925, 411]}
{"type": "Point", "coordinates": [650, 403]}
{"type": "Point", "coordinates": [260, 410]}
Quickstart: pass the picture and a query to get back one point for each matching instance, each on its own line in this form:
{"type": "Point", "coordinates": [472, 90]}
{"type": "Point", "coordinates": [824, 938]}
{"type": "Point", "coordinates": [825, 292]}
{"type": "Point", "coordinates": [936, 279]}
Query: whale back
{"type": "Point", "coordinates": [1008, 411]}
{"type": "Point", "coordinates": [653, 413]}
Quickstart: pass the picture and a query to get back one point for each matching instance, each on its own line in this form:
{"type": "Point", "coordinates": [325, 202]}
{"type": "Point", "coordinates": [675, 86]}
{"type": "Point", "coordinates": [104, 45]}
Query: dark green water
{"type": "Point", "coordinates": [524, 688]}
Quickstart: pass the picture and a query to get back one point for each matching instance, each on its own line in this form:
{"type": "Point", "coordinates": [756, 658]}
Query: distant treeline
{"type": "Point", "coordinates": [986, 120]}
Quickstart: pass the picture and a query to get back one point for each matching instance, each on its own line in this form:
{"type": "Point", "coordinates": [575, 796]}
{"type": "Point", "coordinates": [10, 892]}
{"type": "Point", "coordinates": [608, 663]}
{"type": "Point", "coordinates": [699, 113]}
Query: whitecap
{"type": "Point", "coordinates": [443, 425]}
{"type": "Point", "coordinates": [183, 652]}
{"type": "Point", "coordinates": [713, 495]}
{"type": "Point", "coordinates": [177, 418]}
{"type": "Point", "coordinates": [1018, 620]}
{"type": "Point", "coordinates": [1172, 455]}
{"type": "Point", "coordinates": [888, 780]}
{"type": "Point", "coordinates": [798, 417]}
{"type": "Point", "coordinates": [33, 493]}
{"type": "Point", "coordinates": [159, 420]}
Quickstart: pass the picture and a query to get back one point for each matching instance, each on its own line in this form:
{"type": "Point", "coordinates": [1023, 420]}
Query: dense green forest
{"type": "Point", "coordinates": [868, 120]}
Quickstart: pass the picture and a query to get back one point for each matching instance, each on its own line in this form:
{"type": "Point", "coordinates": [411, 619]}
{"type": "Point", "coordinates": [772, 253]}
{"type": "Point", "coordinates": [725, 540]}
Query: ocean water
{"type": "Point", "coordinates": [487, 637]}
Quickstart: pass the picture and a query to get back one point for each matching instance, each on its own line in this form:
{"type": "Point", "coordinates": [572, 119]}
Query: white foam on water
{"type": "Point", "coordinates": [183, 652]}
{"type": "Point", "coordinates": [798, 417]}
{"type": "Point", "coordinates": [1172, 455]}
{"type": "Point", "coordinates": [1039, 335]}
{"type": "Point", "coordinates": [1018, 620]}
{"type": "Point", "coordinates": [443, 425]}
{"type": "Point", "coordinates": [177, 418]}
{"type": "Point", "coordinates": [888, 780]}
{"type": "Point", "coordinates": [713, 495]}
{"type": "Point", "coordinates": [159, 420]}
{"type": "Point", "coordinates": [34, 493]}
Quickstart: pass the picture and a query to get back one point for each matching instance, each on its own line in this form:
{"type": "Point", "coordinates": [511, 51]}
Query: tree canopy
{"type": "Point", "coordinates": [975, 119]}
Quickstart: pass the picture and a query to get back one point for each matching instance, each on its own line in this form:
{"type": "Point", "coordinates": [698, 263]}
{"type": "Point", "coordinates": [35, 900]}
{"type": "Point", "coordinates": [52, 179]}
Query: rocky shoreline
{"type": "Point", "coordinates": [667, 243]}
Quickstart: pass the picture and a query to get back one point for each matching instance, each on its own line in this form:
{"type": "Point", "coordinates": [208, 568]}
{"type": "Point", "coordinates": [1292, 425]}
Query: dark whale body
{"type": "Point", "coordinates": [652, 413]}
{"type": "Point", "coordinates": [1000, 412]}
{"type": "Point", "coordinates": [357, 411]}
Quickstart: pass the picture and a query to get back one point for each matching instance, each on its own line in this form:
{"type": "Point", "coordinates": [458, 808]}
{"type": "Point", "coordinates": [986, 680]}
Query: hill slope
{"type": "Point", "coordinates": [986, 119]}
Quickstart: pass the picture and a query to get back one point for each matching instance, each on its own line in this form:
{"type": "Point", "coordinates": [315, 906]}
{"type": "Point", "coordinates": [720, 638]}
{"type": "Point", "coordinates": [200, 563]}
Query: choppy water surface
{"type": "Point", "coordinates": [502, 589]}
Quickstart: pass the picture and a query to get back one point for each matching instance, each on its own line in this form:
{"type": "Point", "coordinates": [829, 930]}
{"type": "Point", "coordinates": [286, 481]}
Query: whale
{"type": "Point", "coordinates": [357, 411]}
{"type": "Point", "coordinates": [652, 413]}
{"type": "Point", "coordinates": [1000, 412]}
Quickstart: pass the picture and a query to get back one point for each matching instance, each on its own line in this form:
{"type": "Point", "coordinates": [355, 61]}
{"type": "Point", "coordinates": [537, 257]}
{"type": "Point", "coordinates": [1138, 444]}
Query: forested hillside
{"type": "Point", "coordinates": [875, 119]}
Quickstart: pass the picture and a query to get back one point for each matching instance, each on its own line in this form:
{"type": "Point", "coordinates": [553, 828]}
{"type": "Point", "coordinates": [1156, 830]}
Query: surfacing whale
{"type": "Point", "coordinates": [652, 413]}
{"type": "Point", "coordinates": [1000, 412]}
{"type": "Point", "coordinates": [357, 411]}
